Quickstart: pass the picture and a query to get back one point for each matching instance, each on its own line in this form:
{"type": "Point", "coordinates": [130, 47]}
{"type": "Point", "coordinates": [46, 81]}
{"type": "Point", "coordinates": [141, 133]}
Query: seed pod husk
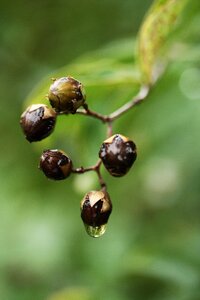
{"type": "Point", "coordinates": [96, 208]}
{"type": "Point", "coordinates": [118, 154]}
{"type": "Point", "coordinates": [55, 164]}
{"type": "Point", "coordinates": [38, 122]}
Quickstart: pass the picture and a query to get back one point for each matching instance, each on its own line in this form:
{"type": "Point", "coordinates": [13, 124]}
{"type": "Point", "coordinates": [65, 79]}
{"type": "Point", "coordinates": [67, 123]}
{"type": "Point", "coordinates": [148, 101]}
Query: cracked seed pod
{"type": "Point", "coordinates": [96, 208]}
{"type": "Point", "coordinates": [66, 94]}
{"type": "Point", "coordinates": [55, 164]}
{"type": "Point", "coordinates": [38, 122]}
{"type": "Point", "coordinates": [118, 154]}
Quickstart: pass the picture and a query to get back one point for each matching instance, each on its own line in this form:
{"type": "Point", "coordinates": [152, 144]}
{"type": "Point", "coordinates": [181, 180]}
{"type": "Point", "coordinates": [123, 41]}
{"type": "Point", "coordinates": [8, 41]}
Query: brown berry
{"type": "Point", "coordinates": [38, 122]}
{"type": "Point", "coordinates": [55, 164]}
{"type": "Point", "coordinates": [96, 208]}
{"type": "Point", "coordinates": [66, 94]}
{"type": "Point", "coordinates": [118, 154]}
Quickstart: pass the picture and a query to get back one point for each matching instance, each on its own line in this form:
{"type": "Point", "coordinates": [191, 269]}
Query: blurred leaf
{"type": "Point", "coordinates": [71, 294]}
{"type": "Point", "coordinates": [165, 268]}
{"type": "Point", "coordinates": [154, 32]}
{"type": "Point", "coordinates": [110, 66]}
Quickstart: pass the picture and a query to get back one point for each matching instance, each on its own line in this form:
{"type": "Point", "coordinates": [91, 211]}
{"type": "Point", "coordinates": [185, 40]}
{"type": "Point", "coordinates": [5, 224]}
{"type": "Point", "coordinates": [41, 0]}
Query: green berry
{"type": "Point", "coordinates": [66, 95]}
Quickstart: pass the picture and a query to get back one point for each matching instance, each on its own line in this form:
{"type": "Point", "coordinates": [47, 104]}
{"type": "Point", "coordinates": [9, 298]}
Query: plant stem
{"type": "Point", "coordinates": [109, 129]}
{"type": "Point", "coordinates": [108, 119]}
{"type": "Point", "coordinates": [89, 112]}
{"type": "Point", "coordinates": [142, 95]}
{"type": "Point", "coordinates": [95, 168]}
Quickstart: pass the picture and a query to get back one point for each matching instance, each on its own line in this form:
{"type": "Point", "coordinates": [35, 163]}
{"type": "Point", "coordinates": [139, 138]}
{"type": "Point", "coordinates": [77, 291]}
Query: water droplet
{"type": "Point", "coordinates": [95, 231]}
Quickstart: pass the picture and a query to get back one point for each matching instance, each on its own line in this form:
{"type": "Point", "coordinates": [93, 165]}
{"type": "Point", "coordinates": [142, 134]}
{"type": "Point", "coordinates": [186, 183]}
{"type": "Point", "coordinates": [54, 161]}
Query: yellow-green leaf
{"type": "Point", "coordinates": [158, 24]}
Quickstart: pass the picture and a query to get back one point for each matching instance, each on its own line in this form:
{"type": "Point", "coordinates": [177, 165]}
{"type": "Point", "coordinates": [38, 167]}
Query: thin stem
{"type": "Point", "coordinates": [95, 168]}
{"type": "Point", "coordinates": [89, 112]}
{"type": "Point", "coordinates": [143, 93]}
{"type": "Point", "coordinates": [109, 129]}
{"type": "Point", "coordinates": [108, 119]}
{"type": "Point", "coordinates": [82, 170]}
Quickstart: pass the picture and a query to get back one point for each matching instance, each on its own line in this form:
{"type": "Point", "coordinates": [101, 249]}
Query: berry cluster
{"type": "Point", "coordinates": [117, 153]}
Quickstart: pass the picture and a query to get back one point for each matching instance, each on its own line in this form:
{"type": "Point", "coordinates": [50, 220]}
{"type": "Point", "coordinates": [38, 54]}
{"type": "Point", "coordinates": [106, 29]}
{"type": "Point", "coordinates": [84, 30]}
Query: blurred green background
{"type": "Point", "coordinates": [152, 245]}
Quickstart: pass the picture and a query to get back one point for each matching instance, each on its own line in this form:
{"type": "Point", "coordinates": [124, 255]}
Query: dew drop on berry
{"type": "Point", "coordinates": [95, 231]}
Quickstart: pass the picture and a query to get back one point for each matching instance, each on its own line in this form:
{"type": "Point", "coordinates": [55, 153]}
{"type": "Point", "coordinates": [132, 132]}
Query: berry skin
{"type": "Point", "coordinates": [55, 164]}
{"type": "Point", "coordinates": [118, 153]}
{"type": "Point", "coordinates": [37, 122]}
{"type": "Point", "coordinates": [96, 208]}
{"type": "Point", "coordinates": [66, 94]}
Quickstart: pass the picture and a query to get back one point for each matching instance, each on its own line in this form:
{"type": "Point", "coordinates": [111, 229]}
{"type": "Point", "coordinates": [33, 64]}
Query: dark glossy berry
{"type": "Point", "coordinates": [37, 122]}
{"type": "Point", "coordinates": [55, 164]}
{"type": "Point", "coordinates": [66, 94]}
{"type": "Point", "coordinates": [96, 208]}
{"type": "Point", "coordinates": [118, 153]}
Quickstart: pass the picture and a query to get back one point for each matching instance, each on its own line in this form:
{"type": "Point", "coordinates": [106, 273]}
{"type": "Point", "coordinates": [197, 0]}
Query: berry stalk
{"type": "Point", "coordinates": [117, 153]}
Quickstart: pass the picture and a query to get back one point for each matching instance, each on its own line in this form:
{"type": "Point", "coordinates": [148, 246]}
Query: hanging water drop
{"type": "Point", "coordinates": [95, 231]}
{"type": "Point", "coordinates": [96, 208]}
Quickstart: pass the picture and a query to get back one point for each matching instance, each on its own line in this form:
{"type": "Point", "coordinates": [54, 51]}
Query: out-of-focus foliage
{"type": "Point", "coordinates": [151, 248]}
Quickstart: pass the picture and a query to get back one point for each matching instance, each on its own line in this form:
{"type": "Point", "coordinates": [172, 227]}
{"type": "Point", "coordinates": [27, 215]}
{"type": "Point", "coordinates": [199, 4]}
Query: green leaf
{"type": "Point", "coordinates": [72, 294]}
{"type": "Point", "coordinates": [155, 30]}
{"type": "Point", "coordinates": [107, 67]}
